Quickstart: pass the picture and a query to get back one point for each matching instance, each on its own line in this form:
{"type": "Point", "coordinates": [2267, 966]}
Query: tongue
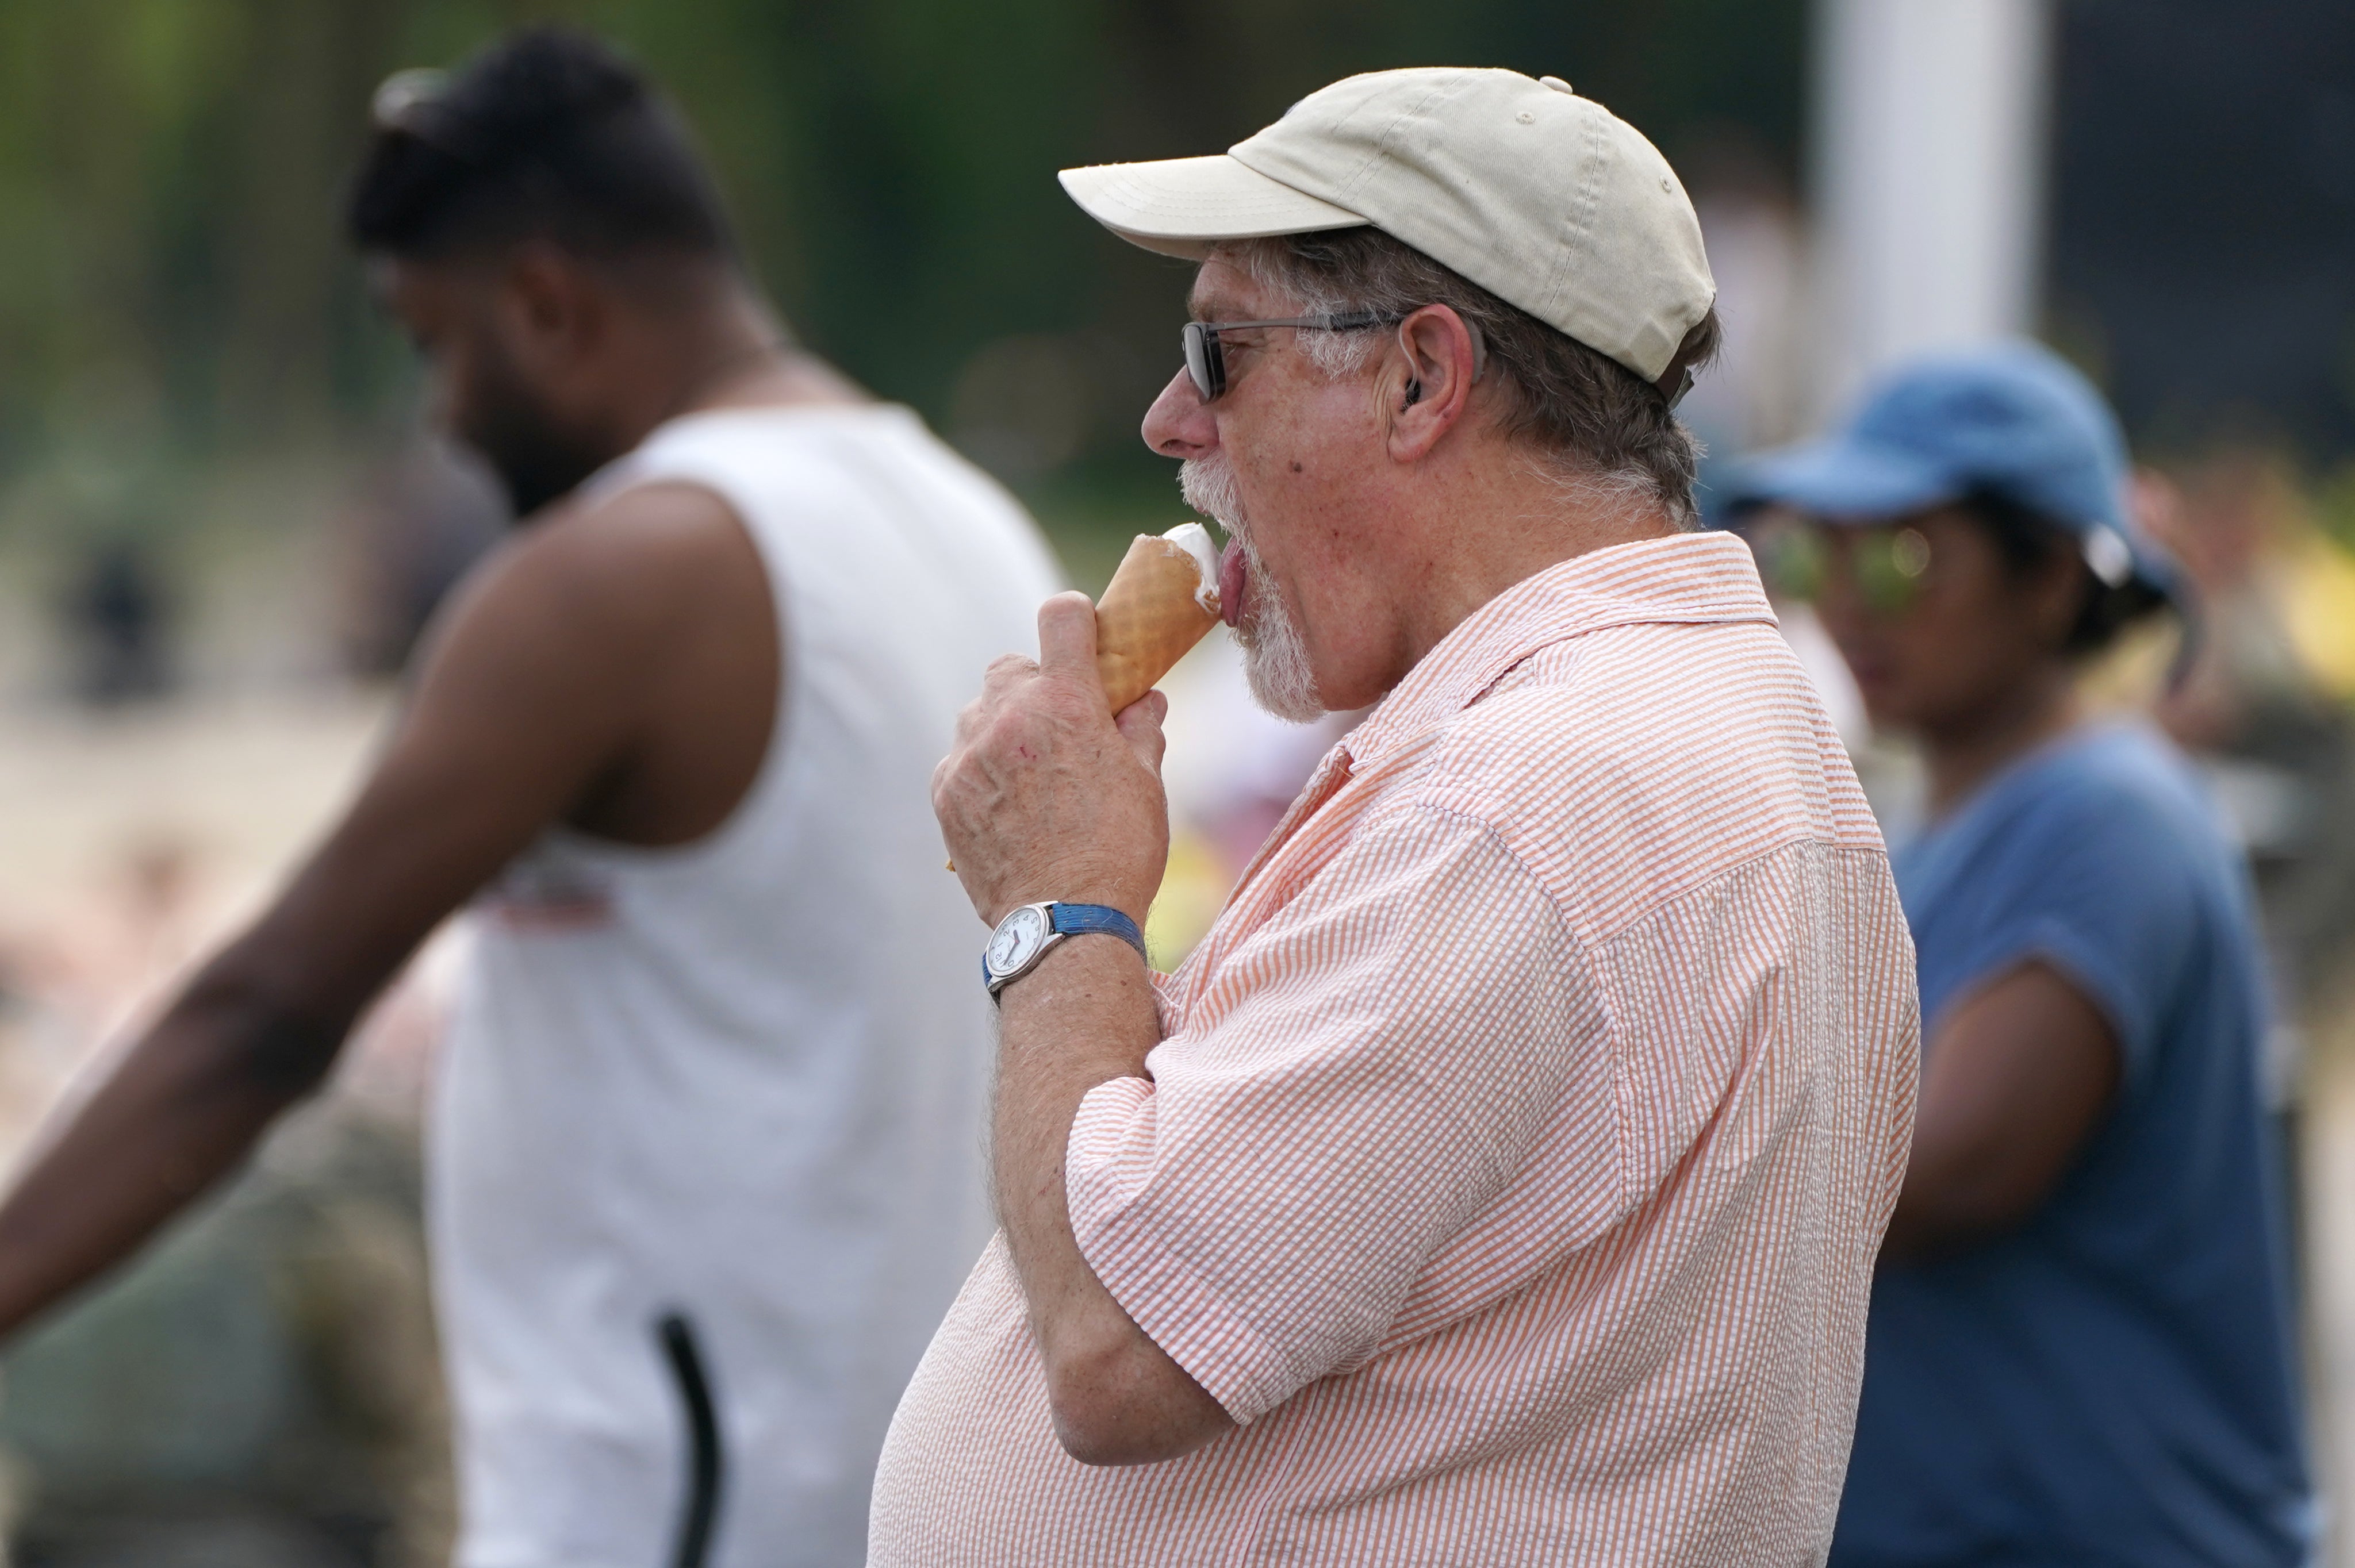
{"type": "Point", "coordinates": [1230, 584]}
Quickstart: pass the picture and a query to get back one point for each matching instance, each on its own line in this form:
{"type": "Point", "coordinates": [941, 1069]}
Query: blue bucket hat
{"type": "Point", "coordinates": [2013, 420]}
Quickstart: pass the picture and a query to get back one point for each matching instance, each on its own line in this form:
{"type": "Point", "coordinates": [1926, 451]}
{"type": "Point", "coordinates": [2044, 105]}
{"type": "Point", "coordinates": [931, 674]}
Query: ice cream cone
{"type": "Point", "coordinates": [1157, 606]}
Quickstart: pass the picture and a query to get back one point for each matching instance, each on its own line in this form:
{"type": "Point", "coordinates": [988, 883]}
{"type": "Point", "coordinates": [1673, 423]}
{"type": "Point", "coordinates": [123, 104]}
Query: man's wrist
{"type": "Point", "coordinates": [1065, 986]}
{"type": "Point", "coordinates": [1086, 948]}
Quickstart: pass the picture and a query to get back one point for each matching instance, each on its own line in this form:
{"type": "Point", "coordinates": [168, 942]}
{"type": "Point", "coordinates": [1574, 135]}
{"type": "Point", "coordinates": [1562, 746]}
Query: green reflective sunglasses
{"type": "Point", "coordinates": [1888, 565]}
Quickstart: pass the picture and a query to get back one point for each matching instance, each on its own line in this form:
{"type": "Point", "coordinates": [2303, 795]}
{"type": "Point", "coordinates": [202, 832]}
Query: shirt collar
{"type": "Point", "coordinates": [1681, 579]}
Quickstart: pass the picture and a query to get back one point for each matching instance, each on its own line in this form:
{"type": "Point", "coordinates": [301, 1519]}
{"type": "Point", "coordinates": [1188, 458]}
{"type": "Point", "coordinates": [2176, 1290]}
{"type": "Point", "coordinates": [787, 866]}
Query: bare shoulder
{"type": "Point", "coordinates": [637, 633]}
{"type": "Point", "coordinates": [603, 585]}
{"type": "Point", "coordinates": [666, 527]}
{"type": "Point", "coordinates": [635, 561]}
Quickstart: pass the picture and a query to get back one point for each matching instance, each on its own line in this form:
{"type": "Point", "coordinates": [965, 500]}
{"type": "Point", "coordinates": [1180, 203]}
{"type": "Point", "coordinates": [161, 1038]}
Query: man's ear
{"type": "Point", "coordinates": [554, 305]}
{"type": "Point", "coordinates": [1426, 387]}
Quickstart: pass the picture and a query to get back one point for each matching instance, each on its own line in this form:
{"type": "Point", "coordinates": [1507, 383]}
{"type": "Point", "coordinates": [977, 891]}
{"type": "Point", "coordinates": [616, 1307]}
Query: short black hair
{"type": "Point", "coordinates": [547, 134]}
{"type": "Point", "coordinates": [2027, 539]}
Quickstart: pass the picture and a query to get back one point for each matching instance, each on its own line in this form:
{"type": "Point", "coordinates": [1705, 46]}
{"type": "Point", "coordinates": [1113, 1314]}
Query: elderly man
{"type": "Point", "coordinates": [1500, 1181]}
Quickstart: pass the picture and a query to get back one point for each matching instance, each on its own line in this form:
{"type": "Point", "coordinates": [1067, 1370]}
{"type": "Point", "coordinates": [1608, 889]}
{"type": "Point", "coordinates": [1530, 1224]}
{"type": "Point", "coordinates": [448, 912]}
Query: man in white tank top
{"type": "Point", "coordinates": [704, 1171]}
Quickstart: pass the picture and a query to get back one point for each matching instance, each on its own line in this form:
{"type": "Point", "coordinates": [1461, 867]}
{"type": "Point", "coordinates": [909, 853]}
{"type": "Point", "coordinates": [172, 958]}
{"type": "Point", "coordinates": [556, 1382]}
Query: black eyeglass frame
{"type": "Point", "coordinates": [1206, 362]}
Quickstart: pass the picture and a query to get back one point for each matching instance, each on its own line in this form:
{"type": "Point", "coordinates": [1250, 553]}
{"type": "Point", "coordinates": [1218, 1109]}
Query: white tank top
{"type": "Point", "coordinates": [742, 1081]}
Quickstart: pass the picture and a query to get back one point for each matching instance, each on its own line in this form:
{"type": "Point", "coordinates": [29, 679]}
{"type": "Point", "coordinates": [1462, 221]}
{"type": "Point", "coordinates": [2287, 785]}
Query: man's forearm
{"type": "Point", "coordinates": [182, 1109]}
{"type": "Point", "coordinates": [1048, 795]}
{"type": "Point", "coordinates": [1083, 1017]}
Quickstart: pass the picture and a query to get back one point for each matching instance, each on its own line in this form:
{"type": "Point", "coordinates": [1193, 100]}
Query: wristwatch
{"type": "Point", "coordinates": [1026, 934]}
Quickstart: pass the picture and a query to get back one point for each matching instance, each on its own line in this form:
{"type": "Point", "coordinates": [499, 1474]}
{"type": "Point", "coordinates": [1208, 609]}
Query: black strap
{"type": "Point", "coordinates": [706, 1460]}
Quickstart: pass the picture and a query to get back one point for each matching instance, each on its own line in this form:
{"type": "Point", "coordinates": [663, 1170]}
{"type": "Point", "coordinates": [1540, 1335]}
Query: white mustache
{"type": "Point", "coordinates": [1209, 486]}
{"type": "Point", "coordinates": [1276, 657]}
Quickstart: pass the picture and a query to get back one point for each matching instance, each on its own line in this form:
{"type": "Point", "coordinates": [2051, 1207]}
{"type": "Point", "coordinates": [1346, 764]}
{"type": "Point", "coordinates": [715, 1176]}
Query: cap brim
{"type": "Point", "coordinates": [1182, 207]}
{"type": "Point", "coordinates": [1842, 481]}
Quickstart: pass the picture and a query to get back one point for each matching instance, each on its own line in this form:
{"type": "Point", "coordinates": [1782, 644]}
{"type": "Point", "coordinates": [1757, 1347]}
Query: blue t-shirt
{"type": "Point", "coordinates": [2114, 1382]}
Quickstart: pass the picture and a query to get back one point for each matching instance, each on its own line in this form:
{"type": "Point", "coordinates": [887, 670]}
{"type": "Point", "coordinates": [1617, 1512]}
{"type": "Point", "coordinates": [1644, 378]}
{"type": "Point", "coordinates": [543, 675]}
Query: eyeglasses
{"type": "Point", "coordinates": [1888, 565]}
{"type": "Point", "coordinates": [1206, 363]}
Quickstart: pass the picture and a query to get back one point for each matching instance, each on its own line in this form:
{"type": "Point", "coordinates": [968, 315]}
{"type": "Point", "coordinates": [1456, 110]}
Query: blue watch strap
{"type": "Point", "coordinates": [1080, 919]}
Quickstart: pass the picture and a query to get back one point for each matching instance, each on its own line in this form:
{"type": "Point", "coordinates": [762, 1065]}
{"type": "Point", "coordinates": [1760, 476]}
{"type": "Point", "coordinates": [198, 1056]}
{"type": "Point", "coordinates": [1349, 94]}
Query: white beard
{"type": "Point", "coordinates": [1275, 658]}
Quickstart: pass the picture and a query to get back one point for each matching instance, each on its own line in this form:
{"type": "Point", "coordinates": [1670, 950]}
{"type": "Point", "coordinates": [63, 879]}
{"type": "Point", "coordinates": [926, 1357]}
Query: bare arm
{"type": "Point", "coordinates": [2018, 1080]}
{"type": "Point", "coordinates": [1044, 798]}
{"type": "Point", "coordinates": [1085, 1015]}
{"type": "Point", "coordinates": [532, 695]}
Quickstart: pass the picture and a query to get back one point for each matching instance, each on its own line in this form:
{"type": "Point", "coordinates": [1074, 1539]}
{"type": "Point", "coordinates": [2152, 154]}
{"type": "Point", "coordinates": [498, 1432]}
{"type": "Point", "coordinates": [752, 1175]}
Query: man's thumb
{"type": "Point", "coordinates": [1067, 635]}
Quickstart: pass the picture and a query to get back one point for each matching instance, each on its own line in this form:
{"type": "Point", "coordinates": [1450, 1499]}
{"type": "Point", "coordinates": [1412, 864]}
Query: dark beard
{"type": "Point", "coordinates": [536, 462]}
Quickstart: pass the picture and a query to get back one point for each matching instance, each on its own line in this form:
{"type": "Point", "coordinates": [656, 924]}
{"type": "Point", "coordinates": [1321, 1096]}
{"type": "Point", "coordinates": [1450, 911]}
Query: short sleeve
{"type": "Point", "coordinates": [1380, 1057]}
{"type": "Point", "coordinates": [2099, 884]}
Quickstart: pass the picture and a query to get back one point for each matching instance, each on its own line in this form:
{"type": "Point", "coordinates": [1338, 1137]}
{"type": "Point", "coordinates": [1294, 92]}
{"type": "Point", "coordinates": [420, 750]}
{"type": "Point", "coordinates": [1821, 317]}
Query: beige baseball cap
{"type": "Point", "coordinates": [1546, 199]}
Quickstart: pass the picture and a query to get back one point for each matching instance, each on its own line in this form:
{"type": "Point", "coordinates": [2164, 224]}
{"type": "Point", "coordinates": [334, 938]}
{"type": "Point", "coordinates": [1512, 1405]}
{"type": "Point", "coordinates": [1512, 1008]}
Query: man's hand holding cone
{"type": "Point", "coordinates": [1161, 601]}
{"type": "Point", "coordinates": [1045, 795]}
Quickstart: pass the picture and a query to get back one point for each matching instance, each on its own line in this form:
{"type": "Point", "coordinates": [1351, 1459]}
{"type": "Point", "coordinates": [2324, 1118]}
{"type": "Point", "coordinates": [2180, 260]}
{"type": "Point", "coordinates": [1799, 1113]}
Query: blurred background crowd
{"type": "Point", "coordinates": [221, 527]}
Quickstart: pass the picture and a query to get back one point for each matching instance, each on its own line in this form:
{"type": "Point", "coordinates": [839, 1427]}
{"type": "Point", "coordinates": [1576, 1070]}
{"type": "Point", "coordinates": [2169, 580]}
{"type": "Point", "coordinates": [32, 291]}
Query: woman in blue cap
{"type": "Point", "coordinates": [2081, 1347]}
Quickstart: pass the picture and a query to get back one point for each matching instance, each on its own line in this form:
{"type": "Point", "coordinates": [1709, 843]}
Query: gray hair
{"type": "Point", "coordinates": [1592, 426]}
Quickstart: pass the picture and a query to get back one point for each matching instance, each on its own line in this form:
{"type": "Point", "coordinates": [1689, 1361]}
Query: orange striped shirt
{"type": "Point", "coordinates": [1514, 1163]}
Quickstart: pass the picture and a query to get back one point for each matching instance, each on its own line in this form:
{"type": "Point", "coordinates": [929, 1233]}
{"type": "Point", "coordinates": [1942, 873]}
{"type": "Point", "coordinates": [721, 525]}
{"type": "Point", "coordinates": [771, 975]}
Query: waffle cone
{"type": "Point", "coordinates": [1150, 615]}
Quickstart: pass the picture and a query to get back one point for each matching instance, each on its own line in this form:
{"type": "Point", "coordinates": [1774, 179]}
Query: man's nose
{"type": "Point", "coordinates": [1178, 424]}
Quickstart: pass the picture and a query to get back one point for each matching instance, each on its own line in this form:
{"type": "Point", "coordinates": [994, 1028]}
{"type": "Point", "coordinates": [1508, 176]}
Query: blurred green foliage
{"type": "Point", "coordinates": [172, 282]}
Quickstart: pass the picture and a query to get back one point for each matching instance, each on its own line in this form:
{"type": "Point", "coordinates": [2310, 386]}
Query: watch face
{"type": "Point", "coordinates": [1017, 938]}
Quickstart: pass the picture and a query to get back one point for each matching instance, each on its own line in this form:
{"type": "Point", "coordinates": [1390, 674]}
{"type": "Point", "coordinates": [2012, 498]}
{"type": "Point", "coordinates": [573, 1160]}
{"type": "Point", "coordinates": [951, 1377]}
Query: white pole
{"type": "Point", "coordinates": [1929, 161]}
